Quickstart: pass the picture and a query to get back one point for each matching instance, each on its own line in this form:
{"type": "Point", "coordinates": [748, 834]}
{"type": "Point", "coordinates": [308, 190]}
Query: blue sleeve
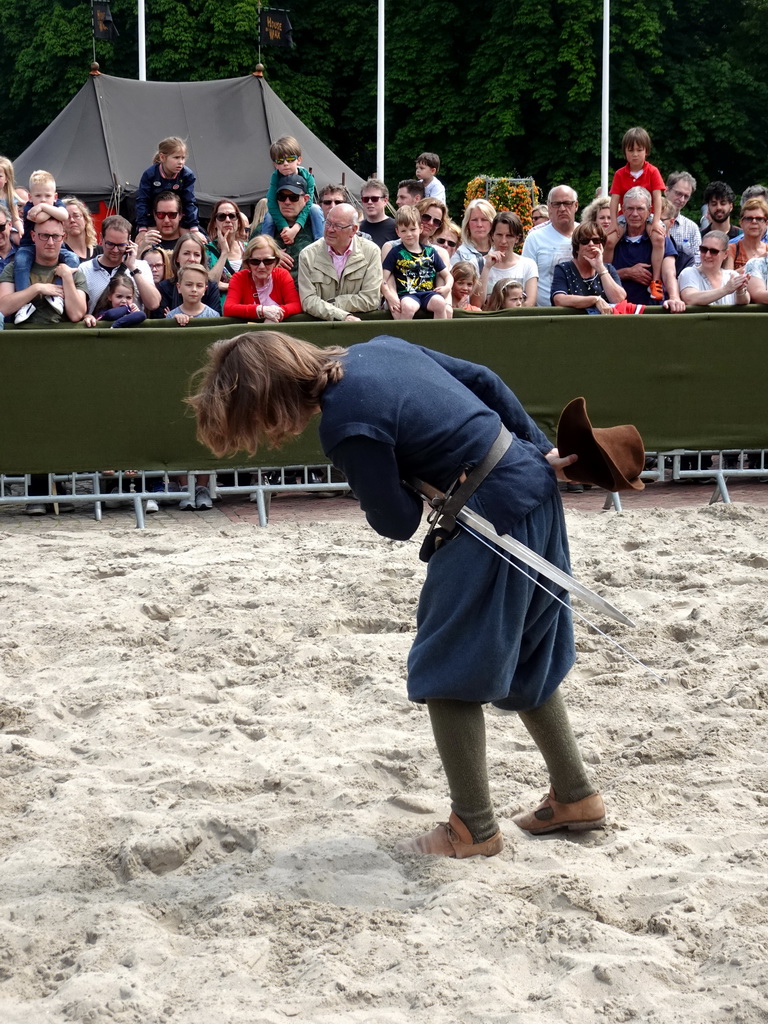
{"type": "Point", "coordinates": [559, 282]}
{"type": "Point", "coordinates": [114, 313]}
{"type": "Point", "coordinates": [274, 210]}
{"type": "Point", "coordinates": [612, 271]}
{"type": "Point", "coordinates": [188, 200]}
{"type": "Point", "coordinates": [143, 197]}
{"type": "Point", "coordinates": [373, 474]}
{"type": "Point", "coordinates": [439, 261]}
{"type": "Point", "coordinates": [492, 391]}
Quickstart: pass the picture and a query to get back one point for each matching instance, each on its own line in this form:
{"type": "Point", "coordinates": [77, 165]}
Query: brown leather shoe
{"type": "Point", "coordinates": [452, 838]}
{"type": "Point", "coordinates": [550, 815]}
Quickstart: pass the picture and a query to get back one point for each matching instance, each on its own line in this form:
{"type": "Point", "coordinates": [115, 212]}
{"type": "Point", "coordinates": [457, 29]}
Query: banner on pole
{"type": "Point", "coordinates": [103, 25]}
{"type": "Point", "coordinates": [275, 28]}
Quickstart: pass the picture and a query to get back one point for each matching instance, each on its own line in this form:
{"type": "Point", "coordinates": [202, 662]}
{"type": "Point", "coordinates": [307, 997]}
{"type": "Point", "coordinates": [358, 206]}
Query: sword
{"type": "Point", "coordinates": [474, 524]}
{"type": "Point", "coordinates": [478, 524]}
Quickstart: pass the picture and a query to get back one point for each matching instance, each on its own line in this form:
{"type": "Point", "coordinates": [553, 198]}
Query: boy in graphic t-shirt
{"type": "Point", "coordinates": [415, 276]}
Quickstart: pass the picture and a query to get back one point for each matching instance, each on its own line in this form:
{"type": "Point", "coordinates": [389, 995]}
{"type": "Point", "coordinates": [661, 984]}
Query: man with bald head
{"type": "Point", "coordinates": [551, 244]}
{"type": "Point", "coordinates": [340, 273]}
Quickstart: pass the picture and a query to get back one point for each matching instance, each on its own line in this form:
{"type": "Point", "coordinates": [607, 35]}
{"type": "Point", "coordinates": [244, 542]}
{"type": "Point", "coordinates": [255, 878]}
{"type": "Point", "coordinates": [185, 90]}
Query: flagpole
{"type": "Point", "coordinates": [606, 93]}
{"type": "Point", "coordinates": [142, 44]}
{"type": "Point", "coordinates": [380, 97]}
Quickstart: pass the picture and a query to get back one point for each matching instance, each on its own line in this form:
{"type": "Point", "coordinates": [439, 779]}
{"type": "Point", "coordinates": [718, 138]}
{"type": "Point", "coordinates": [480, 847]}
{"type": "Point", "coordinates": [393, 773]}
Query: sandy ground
{"type": "Point", "coordinates": [207, 756]}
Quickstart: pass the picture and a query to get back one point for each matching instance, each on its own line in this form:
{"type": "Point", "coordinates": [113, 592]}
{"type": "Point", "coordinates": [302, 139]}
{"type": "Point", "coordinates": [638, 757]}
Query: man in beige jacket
{"type": "Point", "coordinates": [340, 274]}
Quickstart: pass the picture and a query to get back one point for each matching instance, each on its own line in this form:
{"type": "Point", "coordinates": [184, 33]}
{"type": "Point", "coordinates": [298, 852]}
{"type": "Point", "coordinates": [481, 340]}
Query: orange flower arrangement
{"type": "Point", "coordinates": [517, 194]}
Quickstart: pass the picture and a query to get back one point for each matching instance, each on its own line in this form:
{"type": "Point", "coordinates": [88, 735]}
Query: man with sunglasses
{"type": "Point", "coordinates": [119, 251]}
{"type": "Point", "coordinates": [51, 303]}
{"type": "Point", "coordinates": [167, 212]}
{"type": "Point", "coordinates": [340, 274]}
{"type": "Point", "coordinates": [291, 199]}
{"type": "Point", "coordinates": [377, 225]}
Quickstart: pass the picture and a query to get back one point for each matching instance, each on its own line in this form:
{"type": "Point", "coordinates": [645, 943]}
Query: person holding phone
{"type": "Point", "coordinates": [119, 251]}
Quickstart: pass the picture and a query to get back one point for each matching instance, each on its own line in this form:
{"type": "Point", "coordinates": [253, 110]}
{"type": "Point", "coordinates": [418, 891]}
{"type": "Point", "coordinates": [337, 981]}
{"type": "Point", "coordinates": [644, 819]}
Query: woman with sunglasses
{"type": "Point", "coordinates": [753, 220]}
{"type": "Point", "coordinates": [586, 284]}
{"type": "Point", "coordinates": [710, 284]}
{"type": "Point", "coordinates": [226, 243]}
{"type": "Point", "coordinates": [262, 290]}
{"type": "Point", "coordinates": [449, 239]}
{"type": "Point", "coordinates": [190, 248]}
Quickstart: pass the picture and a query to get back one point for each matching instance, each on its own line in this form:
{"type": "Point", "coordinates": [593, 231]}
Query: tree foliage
{"type": "Point", "coordinates": [509, 88]}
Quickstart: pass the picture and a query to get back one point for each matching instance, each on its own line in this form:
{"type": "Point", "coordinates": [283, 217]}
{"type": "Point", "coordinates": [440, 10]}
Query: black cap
{"type": "Point", "coordinates": [292, 183]}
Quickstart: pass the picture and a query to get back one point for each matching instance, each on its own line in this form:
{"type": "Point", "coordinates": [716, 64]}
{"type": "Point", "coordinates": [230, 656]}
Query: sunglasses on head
{"type": "Point", "coordinates": [287, 197]}
{"type": "Point", "coordinates": [266, 261]}
{"type": "Point", "coordinates": [426, 219]}
{"type": "Point", "coordinates": [226, 216]}
{"type": "Point", "coordinates": [162, 215]}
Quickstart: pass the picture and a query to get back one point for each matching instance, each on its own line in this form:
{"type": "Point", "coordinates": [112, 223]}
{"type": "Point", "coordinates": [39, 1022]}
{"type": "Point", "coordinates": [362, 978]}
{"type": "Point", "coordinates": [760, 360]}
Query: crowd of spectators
{"type": "Point", "coordinates": [326, 253]}
{"type": "Point", "coordinates": [335, 256]}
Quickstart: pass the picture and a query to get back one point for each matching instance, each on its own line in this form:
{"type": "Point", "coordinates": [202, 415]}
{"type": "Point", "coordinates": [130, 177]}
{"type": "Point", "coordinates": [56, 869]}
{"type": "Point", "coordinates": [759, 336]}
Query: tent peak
{"type": "Point", "coordinates": [258, 71]}
{"type": "Point", "coordinates": [94, 68]}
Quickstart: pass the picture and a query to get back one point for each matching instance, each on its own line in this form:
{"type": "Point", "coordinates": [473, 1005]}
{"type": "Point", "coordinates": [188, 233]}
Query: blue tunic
{"type": "Point", "coordinates": [484, 631]}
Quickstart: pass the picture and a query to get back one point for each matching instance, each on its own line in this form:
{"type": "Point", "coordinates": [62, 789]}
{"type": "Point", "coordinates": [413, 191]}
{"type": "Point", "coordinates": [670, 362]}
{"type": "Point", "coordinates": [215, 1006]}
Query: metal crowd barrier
{"type": "Point", "coordinates": [259, 483]}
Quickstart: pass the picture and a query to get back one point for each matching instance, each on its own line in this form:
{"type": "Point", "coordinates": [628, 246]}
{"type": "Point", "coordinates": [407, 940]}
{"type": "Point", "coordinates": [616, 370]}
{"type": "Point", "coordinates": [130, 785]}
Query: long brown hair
{"type": "Point", "coordinates": [260, 386]}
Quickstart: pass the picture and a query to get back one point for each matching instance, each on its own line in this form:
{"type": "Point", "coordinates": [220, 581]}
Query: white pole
{"type": "Point", "coordinates": [142, 44]}
{"type": "Point", "coordinates": [606, 95]}
{"type": "Point", "coordinates": [380, 98]}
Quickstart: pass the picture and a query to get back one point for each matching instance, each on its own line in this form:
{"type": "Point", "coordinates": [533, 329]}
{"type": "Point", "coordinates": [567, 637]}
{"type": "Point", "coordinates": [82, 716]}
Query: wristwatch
{"type": "Point", "coordinates": [136, 270]}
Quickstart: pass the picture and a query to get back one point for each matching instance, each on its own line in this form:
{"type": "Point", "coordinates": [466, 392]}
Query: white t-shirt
{"type": "Point", "coordinates": [692, 277]}
{"type": "Point", "coordinates": [547, 247]}
{"type": "Point", "coordinates": [522, 271]}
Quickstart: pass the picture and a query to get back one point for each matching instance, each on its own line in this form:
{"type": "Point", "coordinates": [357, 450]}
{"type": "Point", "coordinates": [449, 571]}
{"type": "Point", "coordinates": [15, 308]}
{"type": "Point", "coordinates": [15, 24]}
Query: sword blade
{"type": "Point", "coordinates": [476, 522]}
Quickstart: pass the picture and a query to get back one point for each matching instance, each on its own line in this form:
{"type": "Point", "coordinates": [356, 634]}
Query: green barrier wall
{"type": "Point", "coordinates": [106, 399]}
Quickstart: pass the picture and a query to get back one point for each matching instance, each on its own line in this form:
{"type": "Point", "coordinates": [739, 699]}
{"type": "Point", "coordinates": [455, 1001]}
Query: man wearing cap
{"type": "Point", "coordinates": [291, 198]}
{"type": "Point", "coordinates": [340, 275]}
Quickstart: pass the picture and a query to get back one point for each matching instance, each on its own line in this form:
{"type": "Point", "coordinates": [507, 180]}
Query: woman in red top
{"type": "Point", "coordinates": [262, 290]}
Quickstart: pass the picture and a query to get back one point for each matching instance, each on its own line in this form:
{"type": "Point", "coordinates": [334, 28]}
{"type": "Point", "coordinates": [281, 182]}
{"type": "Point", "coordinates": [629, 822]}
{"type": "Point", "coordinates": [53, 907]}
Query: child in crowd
{"type": "Point", "coordinates": [636, 146]}
{"type": "Point", "coordinates": [191, 281]}
{"type": "Point", "coordinates": [168, 173]}
{"type": "Point", "coordinates": [10, 201]}
{"type": "Point", "coordinates": [415, 277]}
{"type": "Point", "coordinates": [427, 166]}
{"type": "Point", "coordinates": [285, 154]}
{"type": "Point", "coordinates": [465, 278]}
{"type": "Point", "coordinates": [506, 294]}
{"type": "Point", "coordinates": [159, 262]}
{"type": "Point", "coordinates": [43, 204]}
{"type": "Point", "coordinates": [117, 303]}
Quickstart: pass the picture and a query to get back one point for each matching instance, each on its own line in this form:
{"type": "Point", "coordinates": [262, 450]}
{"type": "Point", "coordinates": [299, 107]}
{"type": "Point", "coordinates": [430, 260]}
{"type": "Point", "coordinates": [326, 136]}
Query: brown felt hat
{"type": "Point", "coordinates": [611, 457]}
